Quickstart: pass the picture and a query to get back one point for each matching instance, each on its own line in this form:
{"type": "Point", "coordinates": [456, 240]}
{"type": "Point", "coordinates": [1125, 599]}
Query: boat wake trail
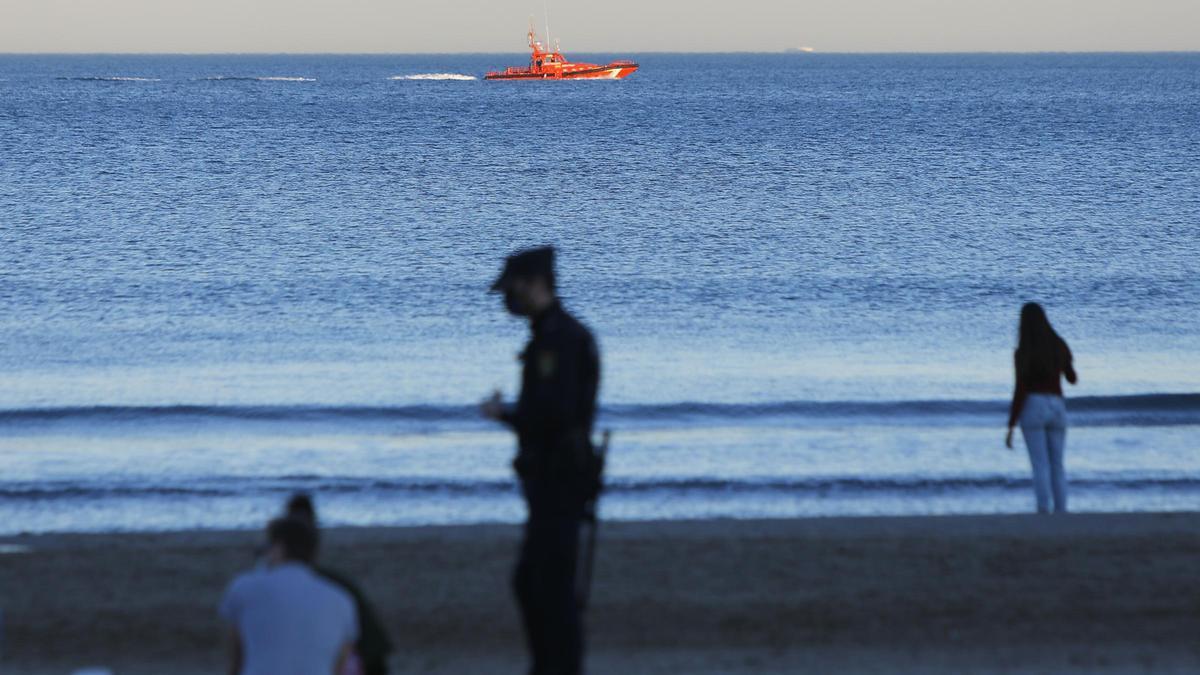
{"type": "Point", "coordinates": [112, 79]}
{"type": "Point", "coordinates": [435, 76]}
{"type": "Point", "coordinates": [239, 78]}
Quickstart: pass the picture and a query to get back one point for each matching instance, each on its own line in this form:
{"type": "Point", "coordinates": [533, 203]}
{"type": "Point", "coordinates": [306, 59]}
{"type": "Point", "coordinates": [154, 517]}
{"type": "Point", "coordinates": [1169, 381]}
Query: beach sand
{"type": "Point", "coordinates": [977, 594]}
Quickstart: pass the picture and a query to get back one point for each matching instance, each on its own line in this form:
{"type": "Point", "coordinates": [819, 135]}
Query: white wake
{"type": "Point", "coordinates": [114, 78]}
{"type": "Point", "coordinates": [241, 78]}
{"type": "Point", "coordinates": [434, 76]}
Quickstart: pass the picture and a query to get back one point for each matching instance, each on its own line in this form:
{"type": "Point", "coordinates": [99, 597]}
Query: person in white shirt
{"type": "Point", "coordinates": [284, 619]}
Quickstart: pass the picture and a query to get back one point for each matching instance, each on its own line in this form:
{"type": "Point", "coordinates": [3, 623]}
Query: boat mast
{"type": "Point", "coordinates": [546, 9]}
{"type": "Point", "coordinates": [534, 48]}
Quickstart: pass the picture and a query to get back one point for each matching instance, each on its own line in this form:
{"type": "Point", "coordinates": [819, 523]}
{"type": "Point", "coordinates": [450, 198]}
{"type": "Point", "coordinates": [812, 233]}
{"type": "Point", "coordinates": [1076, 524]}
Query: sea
{"type": "Point", "coordinates": [225, 279]}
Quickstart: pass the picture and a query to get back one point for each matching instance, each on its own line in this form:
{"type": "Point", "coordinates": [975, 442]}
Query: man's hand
{"type": "Point", "coordinates": [493, 406]}
{"type": "Point", "coordinates": [1008, 439]}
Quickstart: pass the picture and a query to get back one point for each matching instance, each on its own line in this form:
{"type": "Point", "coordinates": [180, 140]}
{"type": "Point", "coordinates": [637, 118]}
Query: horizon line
{"type": "Point", "coordinates": [795, 51]}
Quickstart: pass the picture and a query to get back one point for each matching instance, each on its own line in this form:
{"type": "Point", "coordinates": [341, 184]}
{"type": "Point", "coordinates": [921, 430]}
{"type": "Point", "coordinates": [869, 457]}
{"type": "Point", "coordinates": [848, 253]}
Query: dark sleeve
{"type": "Point", "coordinates": [1020, 391]}
{"type": "Point", "coordinates": [1068, 363]}
{"type": "Point", "coordinates": [509, 416]}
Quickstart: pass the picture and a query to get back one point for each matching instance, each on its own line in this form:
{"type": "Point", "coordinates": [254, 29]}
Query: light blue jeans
{"type": "Point", "coordinates": [1044, 426]}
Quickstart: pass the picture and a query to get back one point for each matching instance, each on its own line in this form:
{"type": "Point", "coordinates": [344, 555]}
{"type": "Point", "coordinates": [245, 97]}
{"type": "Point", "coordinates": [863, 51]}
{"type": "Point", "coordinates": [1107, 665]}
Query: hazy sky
{"type": "Point", "coordinates": [597, 25]}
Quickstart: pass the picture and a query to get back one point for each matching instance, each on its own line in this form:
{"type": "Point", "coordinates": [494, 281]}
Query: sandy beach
{"type": "Point", "coordinates": [980, 594]}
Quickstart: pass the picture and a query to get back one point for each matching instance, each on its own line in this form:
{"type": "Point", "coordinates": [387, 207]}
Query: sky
{"type": "Point", "coordinates": [441, 26]}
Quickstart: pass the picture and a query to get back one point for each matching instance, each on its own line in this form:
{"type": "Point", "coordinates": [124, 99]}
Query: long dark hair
{"type": "Point", "coordinates": [1039, 350]}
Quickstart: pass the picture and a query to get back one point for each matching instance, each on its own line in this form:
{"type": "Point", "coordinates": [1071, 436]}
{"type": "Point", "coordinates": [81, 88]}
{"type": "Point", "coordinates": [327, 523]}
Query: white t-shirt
{"type": "Point", "coordinates": [291, 621]}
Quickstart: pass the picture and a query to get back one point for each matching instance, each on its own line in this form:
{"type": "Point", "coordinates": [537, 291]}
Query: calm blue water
{"type": "Point", "coordinates": [226, 278]}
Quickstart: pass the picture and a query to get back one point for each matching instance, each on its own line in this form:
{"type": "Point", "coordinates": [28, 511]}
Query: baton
{"type": "Point", "coordinates": [591, 522]}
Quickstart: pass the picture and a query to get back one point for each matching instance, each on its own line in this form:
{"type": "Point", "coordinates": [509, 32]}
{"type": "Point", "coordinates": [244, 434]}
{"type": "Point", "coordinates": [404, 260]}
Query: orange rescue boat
{"type": "Point", "coordinates": [545, 65]}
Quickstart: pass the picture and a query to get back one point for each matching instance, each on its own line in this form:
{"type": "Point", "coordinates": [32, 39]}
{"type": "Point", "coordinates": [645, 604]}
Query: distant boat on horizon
{"type": "Point", "coordinates": [547, 65]}
{"type": "Point", "coordinates": [799, 50]}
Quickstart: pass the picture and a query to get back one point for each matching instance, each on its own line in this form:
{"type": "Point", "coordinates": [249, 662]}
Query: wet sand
{"type": "Point", "coordinates": [980, 594]}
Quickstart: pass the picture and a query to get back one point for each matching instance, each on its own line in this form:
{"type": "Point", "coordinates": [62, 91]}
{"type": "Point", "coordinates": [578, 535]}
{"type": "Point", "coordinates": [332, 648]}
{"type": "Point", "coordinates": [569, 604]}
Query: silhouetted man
{"type": "Point", "coordinates": [555, 461]}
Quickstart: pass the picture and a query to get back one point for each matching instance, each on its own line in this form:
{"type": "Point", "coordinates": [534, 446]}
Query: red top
{"type": "Point", "coordinates": [1046, 383]}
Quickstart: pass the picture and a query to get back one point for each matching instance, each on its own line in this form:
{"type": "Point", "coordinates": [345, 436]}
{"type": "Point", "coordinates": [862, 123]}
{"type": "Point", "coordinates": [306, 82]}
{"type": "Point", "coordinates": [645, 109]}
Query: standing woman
{"type": "Point", "coordinates": [1042, 359]}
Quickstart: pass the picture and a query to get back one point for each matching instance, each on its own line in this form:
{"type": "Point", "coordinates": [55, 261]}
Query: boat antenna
{"type": "Point", "coordinates": [546, 9]}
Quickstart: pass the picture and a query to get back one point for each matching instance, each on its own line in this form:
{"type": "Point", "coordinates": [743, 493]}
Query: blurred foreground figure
{"type": "Point", "coordinates": [373, 646]}
{"type": "Point", "coordinates": [283, 617]}
{"type": "Point", "coordinates": [555, 462]}
{"type": "Point", "coordinates": [1041, 360]}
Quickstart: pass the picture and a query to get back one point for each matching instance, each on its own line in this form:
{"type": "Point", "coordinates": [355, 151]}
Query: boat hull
{"type": "Point", "coordinates": [577, 71]}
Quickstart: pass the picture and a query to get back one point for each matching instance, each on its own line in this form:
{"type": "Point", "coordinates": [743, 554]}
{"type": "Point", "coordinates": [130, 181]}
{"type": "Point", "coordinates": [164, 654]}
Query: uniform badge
{"type": "Point", "coordinates": [546, 364]}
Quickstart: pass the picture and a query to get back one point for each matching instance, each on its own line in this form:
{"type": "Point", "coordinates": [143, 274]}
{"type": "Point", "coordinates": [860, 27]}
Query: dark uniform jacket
{"type": "Point", "coordinates": [553, 416]}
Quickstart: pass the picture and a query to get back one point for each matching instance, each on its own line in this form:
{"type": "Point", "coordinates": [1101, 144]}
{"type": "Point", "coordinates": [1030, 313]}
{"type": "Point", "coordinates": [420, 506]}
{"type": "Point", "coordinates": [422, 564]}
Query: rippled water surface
{"type": "Point", "coordinates": [751, 237]}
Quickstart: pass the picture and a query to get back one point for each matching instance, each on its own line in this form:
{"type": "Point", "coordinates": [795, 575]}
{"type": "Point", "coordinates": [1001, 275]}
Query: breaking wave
{"type": "Point", "coordinates": [1136, 410]}
{"type": "Point", "coordinates": [402, 486]}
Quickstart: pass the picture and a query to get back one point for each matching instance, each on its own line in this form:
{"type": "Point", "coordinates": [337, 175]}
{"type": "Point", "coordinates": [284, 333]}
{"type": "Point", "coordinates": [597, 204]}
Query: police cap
{"type": "Point", "coordinates": [532, 262]}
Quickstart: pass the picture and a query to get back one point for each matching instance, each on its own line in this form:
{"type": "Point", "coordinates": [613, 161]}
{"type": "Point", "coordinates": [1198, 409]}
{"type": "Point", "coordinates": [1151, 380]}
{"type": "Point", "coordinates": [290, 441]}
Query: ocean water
{"type": "Point", "coordinates": [223, 279]}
